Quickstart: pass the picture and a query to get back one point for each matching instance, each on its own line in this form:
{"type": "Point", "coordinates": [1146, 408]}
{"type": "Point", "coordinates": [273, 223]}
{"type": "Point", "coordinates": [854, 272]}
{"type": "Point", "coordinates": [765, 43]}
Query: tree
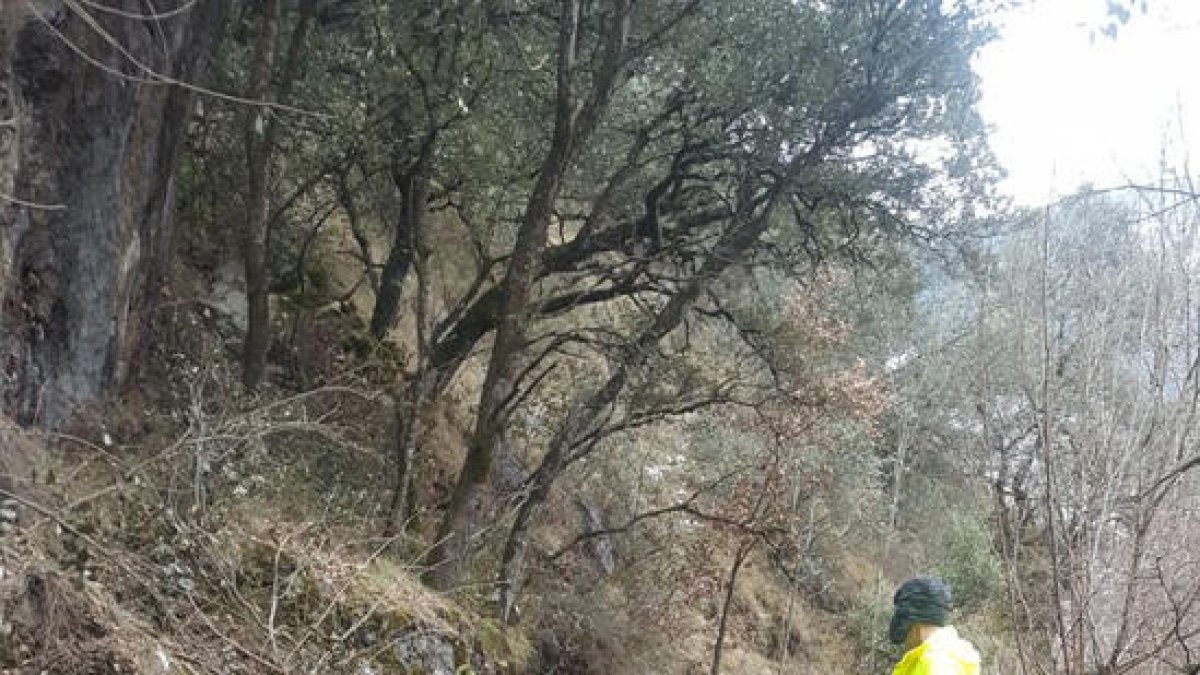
{"type": "Point", "coordinates": [260, 129]}
{"type": "Point", "coordinates": [1078, 347]}
{"type": "Point", "coordinates": [576, 116]}
{"type": "Point", "coordinates": [442, 52]}
{"type": "Point", "coordinates": [774, 167]}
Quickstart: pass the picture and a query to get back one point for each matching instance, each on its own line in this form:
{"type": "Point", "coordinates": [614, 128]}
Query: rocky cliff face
{"type": "Point", "coordinates": [92, 129]}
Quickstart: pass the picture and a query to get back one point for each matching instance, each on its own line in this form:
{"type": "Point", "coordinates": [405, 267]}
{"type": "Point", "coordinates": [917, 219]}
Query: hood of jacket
{"type": "Point", "coordinates": [944, 647]}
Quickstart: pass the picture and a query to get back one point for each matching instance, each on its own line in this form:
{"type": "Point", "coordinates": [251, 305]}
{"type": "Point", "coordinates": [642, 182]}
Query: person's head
{"type": "Point", "coordinates": [919, 603]}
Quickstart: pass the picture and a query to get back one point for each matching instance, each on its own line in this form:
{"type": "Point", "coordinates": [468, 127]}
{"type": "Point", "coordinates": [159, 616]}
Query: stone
{"type": "Point", "coordinates": [425, 652]}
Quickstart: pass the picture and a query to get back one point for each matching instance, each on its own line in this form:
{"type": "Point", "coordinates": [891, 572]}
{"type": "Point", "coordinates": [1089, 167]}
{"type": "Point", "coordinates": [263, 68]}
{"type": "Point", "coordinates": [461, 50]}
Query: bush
{"type": "Point", "coordinates": [967, 562]}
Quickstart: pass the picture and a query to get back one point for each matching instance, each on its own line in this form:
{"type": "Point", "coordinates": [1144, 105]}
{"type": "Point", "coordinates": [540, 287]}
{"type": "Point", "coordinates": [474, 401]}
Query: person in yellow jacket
{"type": "Point", "coordinates": [920, 622]}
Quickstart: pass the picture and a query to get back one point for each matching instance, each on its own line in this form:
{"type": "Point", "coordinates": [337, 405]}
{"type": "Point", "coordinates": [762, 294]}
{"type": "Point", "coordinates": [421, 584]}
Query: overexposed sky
{"type": "Point", "coordinates": [1068, 105]}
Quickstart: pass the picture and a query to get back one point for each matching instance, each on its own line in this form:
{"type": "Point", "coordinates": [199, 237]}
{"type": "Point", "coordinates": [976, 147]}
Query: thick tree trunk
{"type": "Point", "coordinates": [522, 271]}
{"type": "Point", "coordinates": [88, 151]}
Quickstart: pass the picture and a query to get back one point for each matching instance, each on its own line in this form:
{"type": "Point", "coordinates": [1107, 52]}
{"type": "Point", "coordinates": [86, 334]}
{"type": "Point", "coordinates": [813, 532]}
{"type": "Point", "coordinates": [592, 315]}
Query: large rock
{"type": "Point", "coordinates": [425, 652]}
{"type": "Point", "coordinates": [90, 136]}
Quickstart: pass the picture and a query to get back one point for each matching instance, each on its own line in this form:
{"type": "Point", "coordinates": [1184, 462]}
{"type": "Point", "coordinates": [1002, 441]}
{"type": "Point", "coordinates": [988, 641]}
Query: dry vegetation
{"type": "Point", "coordinates": [192, 528]}
{"type": "Point", "coordinates": [553, 336]}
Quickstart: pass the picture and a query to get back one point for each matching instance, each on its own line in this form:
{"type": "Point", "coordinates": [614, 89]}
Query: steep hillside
{"type": "Point", "coordinates": [481, 336]}
{"type": "Point", "coordinates": [188, 527]}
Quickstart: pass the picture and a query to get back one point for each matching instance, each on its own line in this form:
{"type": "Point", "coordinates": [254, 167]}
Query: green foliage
{"type": "Point", "coordinates": [860, 114]}
{"type": "Point", "coordinates": [868, 621]}
{"type": "Point", "coordinates": [967, 562]}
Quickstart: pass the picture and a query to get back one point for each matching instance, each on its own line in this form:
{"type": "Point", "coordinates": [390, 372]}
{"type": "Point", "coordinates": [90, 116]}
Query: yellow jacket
{"type": "Point", "coordinates": [944, 653]}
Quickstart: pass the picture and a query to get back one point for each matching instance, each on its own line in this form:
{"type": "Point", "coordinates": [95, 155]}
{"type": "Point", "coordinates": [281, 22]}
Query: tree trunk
{"type": "Point", "coordinates": [254, 229]}
{"type": "Point", "coordinates": [522, 272]}
{"type": "Point", "coordinates": [261, 129]}
{"type": "Point", "coordinates": [406, 426]}
{"type": "Point", "coordinates": [88, 153]}
{"type": "Point", "coordinates": [512, 558]}
{"type": "Point", "coordinates": [350, 207]}
{"type": "Point", "coordinates": [739, 558]}
{"type": "Point", "coordinates": [413, 190]}
{"type": "Point", "coordinates": [585, 415]}
{"type": "Point", "coordinates": [574, 122]}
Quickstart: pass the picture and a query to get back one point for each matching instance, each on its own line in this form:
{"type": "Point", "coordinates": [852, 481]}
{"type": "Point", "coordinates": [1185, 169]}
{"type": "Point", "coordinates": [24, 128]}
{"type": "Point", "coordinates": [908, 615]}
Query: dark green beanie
{"type": "Point", "coordinates": [922, 600]}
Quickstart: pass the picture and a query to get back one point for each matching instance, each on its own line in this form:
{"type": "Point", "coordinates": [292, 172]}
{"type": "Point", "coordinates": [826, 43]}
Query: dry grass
{"type": "Point", "coordinates": [278, 568]}
{"type": "Point", "coordinates": [115, 567]}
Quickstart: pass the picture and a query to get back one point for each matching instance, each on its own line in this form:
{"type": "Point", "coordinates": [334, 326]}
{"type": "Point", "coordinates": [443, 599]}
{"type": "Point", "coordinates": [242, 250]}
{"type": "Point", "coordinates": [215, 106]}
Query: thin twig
{"type": "Point", "coordinates": [32, 205]}
{"type": "Point", "coordinates": [260, 659]}
{"type": "Point", "coordinates": [337, 597]}
{"type": "Point", "coordinates": [60, 521]}
{"type": "Point", "coordinates": [185, 7]}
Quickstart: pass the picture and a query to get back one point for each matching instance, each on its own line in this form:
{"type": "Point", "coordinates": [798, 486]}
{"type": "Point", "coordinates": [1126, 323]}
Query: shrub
{"type": "Point", "coordinates": [968, 563]}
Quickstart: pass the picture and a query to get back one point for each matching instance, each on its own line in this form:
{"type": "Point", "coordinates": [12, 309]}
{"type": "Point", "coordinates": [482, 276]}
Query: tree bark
{"type": "Point", "coordinates": [406, 418]}
{"type": "Point", "coordinates": [88, 155]}
{"type": "Point", "coordinates": [413, 189]}
{"type": "Point", "coordinates": [254, 229]}
{"type": "Point", "coordinates": [586, 416]}
{"type": "Point", "coordinates": [261, 130]}
{"type": "Point", "coordinates": [739, 558]}
{"type": "Point", "coordinates": [349, 205]}
{"type": "Point", "coordinates": [573, 124]}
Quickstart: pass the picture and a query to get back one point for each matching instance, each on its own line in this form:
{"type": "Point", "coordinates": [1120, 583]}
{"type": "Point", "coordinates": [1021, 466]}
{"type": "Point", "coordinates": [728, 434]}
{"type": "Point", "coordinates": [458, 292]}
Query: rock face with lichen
{"type": "Point", "coordinates": [90, 134]}
{"type": "Point", "coordinates": [425, 653]}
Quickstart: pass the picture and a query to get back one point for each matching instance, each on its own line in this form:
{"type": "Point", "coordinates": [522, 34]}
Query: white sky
{"type": "Point", "coordinates": [1066, 109]}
